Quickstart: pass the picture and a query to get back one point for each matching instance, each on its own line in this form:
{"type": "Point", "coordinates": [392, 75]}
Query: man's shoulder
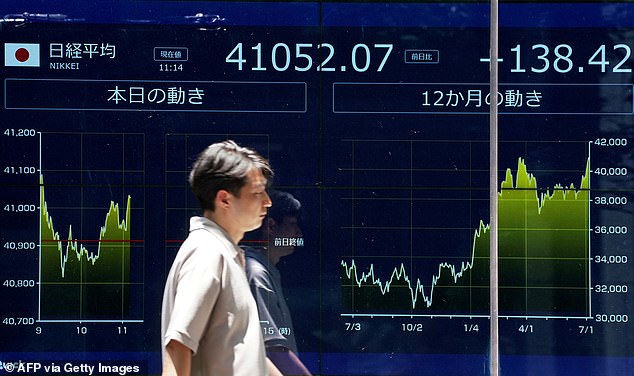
{"type": "Point", "coordinates": [199, 246]}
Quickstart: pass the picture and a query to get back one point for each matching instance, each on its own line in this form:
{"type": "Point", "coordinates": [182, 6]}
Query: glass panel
{"type": "Point", "coordinates": [373, 115]}
{"type": "Point", "coordinates": [565, 218]}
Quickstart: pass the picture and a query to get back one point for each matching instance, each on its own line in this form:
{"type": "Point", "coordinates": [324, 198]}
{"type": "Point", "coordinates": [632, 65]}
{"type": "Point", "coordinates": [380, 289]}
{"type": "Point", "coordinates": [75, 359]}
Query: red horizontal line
{"type": "Point", "coordinates": [93, 241]}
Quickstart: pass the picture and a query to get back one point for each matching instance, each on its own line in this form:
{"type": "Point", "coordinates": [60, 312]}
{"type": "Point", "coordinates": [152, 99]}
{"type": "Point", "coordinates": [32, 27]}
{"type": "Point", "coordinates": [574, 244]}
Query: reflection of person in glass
{"type": "Point", "coordinates": [210, 323]}
{"type": "Point", "coordinates": [281, 234]}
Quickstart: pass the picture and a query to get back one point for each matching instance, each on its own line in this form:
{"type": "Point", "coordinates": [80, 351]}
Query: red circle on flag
{"type": "Point", "coordinates": [22, 54]}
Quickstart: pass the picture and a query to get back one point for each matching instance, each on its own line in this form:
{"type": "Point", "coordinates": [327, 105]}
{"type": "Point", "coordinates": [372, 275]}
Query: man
{"type": "Point", "coordinates": [280, 232]}
{"type": "Point", "coordinates": [210, 323]}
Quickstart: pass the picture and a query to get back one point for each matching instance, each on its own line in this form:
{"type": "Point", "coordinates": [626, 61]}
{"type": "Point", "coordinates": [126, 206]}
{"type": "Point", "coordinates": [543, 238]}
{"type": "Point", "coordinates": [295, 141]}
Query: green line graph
{"type": "Point", "coordinates": [544, 244]}
{"type": "Point", "coordinates": [85, 277]}
{"type": "Point", "coordinates": [543, 260]}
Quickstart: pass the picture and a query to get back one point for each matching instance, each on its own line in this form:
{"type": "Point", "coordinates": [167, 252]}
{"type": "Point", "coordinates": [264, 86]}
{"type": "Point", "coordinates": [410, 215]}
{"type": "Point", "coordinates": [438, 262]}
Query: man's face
{"type": "Point", "coordinates": [249, 208]}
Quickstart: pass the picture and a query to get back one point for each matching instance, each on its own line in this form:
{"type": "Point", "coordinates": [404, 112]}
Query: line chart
{"type": "Point", "coordinates": [91, 228]}
{"type": "Point", "coordinates": [544, 252]}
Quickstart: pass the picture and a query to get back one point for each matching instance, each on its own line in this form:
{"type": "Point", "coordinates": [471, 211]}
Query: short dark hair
{"type": "Point", "coordinates": [284, 204]}
{"type": "Point", "coordinates": [224, 166]}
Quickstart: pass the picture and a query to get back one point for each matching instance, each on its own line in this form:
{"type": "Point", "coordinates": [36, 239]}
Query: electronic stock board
{"type": "Point", "coordinates": [376, 117]}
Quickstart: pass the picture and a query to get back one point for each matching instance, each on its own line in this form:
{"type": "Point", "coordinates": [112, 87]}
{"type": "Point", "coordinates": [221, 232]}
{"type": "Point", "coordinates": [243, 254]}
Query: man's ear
{"type": "Point", "coordinates": [223, 199]}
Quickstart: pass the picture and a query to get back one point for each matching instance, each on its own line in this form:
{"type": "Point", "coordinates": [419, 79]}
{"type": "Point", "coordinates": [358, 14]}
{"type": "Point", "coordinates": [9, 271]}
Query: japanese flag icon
{"type": "Point", "coordinates": [21, 55]}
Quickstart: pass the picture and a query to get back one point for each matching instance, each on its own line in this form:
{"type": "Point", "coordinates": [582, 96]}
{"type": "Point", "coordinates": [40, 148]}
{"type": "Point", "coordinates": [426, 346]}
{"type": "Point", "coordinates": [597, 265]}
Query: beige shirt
{"type": "Point", "coordinates": [208, 306]}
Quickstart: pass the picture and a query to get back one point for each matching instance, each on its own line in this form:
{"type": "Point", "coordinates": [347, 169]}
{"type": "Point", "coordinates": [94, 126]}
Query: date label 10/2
{"type": "Point", "coordinates": [302, 57]}
{"type": "Point", "coordinates": [412, 327]}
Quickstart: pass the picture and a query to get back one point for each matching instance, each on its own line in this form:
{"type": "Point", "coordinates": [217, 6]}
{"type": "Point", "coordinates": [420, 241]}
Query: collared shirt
{"type": "Point", "coordinates": [208, 306]}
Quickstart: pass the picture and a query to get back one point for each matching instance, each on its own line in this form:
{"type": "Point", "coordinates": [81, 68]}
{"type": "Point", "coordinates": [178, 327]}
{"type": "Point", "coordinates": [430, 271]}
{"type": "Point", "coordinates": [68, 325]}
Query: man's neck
{"type": "Point", "coordinates": [224, 224]}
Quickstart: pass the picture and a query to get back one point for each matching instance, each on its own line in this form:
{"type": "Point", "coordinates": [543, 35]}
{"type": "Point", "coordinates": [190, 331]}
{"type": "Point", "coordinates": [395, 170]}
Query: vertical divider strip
{"type": "Point", "coordinates": [494, 360]}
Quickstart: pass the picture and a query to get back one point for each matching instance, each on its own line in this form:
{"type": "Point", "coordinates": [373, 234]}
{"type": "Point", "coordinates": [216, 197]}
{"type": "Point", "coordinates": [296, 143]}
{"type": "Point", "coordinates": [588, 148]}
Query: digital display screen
{"type": "Point", "coordinates": [375, 116]}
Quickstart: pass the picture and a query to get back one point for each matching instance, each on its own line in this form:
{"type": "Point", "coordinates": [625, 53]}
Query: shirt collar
{"type": "Point", "coordinates": [204, 223]}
